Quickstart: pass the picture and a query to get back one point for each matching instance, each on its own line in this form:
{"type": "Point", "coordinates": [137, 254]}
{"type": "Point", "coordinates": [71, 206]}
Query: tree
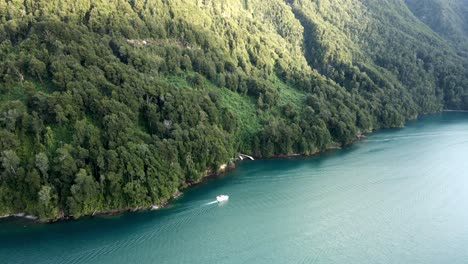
{"type": "Point", "coordinates": [42, 164]}
{"type": "Point", "coordinates": [10, 163]}
{"type": "Point", "coordinates": [45, 196]}
{"type": "Point", "coordinates": [37, 68]}
{"type": "Point", "coordinates": [85, 196]}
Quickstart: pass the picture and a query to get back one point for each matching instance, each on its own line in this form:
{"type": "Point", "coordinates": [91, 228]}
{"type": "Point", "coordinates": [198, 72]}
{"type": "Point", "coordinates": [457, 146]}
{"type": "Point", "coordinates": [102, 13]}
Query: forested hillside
{"type": "Point", "coordinates": [448, 18]}
{"type": "Point", "coordinates": [114, 104]}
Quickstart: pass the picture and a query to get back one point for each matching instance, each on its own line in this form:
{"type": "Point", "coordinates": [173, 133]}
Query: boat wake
{"type": "Point", "coordinates": [419, 135]}
{"type": "Point", "coordinates": [213, 202]}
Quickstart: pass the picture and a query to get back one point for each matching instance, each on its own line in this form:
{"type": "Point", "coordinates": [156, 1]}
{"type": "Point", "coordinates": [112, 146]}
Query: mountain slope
{"type": "Point", "coordinates": [447, 18]}
{"type": "Point", "coordinates": [108, 105]}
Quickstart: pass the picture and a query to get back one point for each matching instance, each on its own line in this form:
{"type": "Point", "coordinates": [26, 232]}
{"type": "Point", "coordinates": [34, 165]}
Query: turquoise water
{"type": "Point", "coordinates": [401, 196]}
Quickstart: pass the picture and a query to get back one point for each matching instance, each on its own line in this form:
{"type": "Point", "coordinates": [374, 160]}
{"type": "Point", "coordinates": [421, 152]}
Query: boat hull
{"type": "Point", "coordinates": [222, 198]}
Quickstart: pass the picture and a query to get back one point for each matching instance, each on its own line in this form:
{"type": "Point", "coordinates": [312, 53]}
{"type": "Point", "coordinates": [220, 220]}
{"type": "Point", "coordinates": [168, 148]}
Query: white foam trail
{"type": "Point", "coordinates": [419, 135]}
{"type": "Point", "coordinates": [213, 202]}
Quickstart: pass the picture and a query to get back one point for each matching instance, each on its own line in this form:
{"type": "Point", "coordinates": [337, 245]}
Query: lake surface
{"type": "Point", "coordinates": [401, 196]}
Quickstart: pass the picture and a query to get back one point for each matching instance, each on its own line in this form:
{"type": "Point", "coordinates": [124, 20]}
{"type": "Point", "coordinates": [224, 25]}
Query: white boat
{"type": "Point", "coordinates": [222, 198]}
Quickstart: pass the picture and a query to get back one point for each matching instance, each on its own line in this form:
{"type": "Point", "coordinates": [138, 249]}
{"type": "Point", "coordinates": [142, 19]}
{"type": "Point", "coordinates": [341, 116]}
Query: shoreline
{"type": "Point", "coordinates": [224, 168]}
{"type": "Point", "coordinates": [210, 173]}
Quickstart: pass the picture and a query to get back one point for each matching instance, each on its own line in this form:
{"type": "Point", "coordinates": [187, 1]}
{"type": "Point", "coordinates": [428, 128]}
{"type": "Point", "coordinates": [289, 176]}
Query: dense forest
{"type": "Point", "coordinates": [115, 104]}
{"type": "Point", "coordinates": [448, 18]}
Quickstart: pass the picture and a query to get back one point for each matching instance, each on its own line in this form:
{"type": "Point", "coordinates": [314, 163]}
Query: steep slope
{"type": "Point", "coordinates": [384, 39]}
{"type": "Point", "coordinates": [448, 18]}
{"type": "Point", "coordinates": [108, 105]}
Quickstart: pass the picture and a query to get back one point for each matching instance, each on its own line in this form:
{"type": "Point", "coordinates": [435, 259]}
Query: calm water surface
{"type": "Point", "coordinates": [401, 196]}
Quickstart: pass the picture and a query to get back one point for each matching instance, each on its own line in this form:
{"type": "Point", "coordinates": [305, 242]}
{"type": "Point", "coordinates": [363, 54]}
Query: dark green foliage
{"type": "Point", "coordinates": [110, 105]}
